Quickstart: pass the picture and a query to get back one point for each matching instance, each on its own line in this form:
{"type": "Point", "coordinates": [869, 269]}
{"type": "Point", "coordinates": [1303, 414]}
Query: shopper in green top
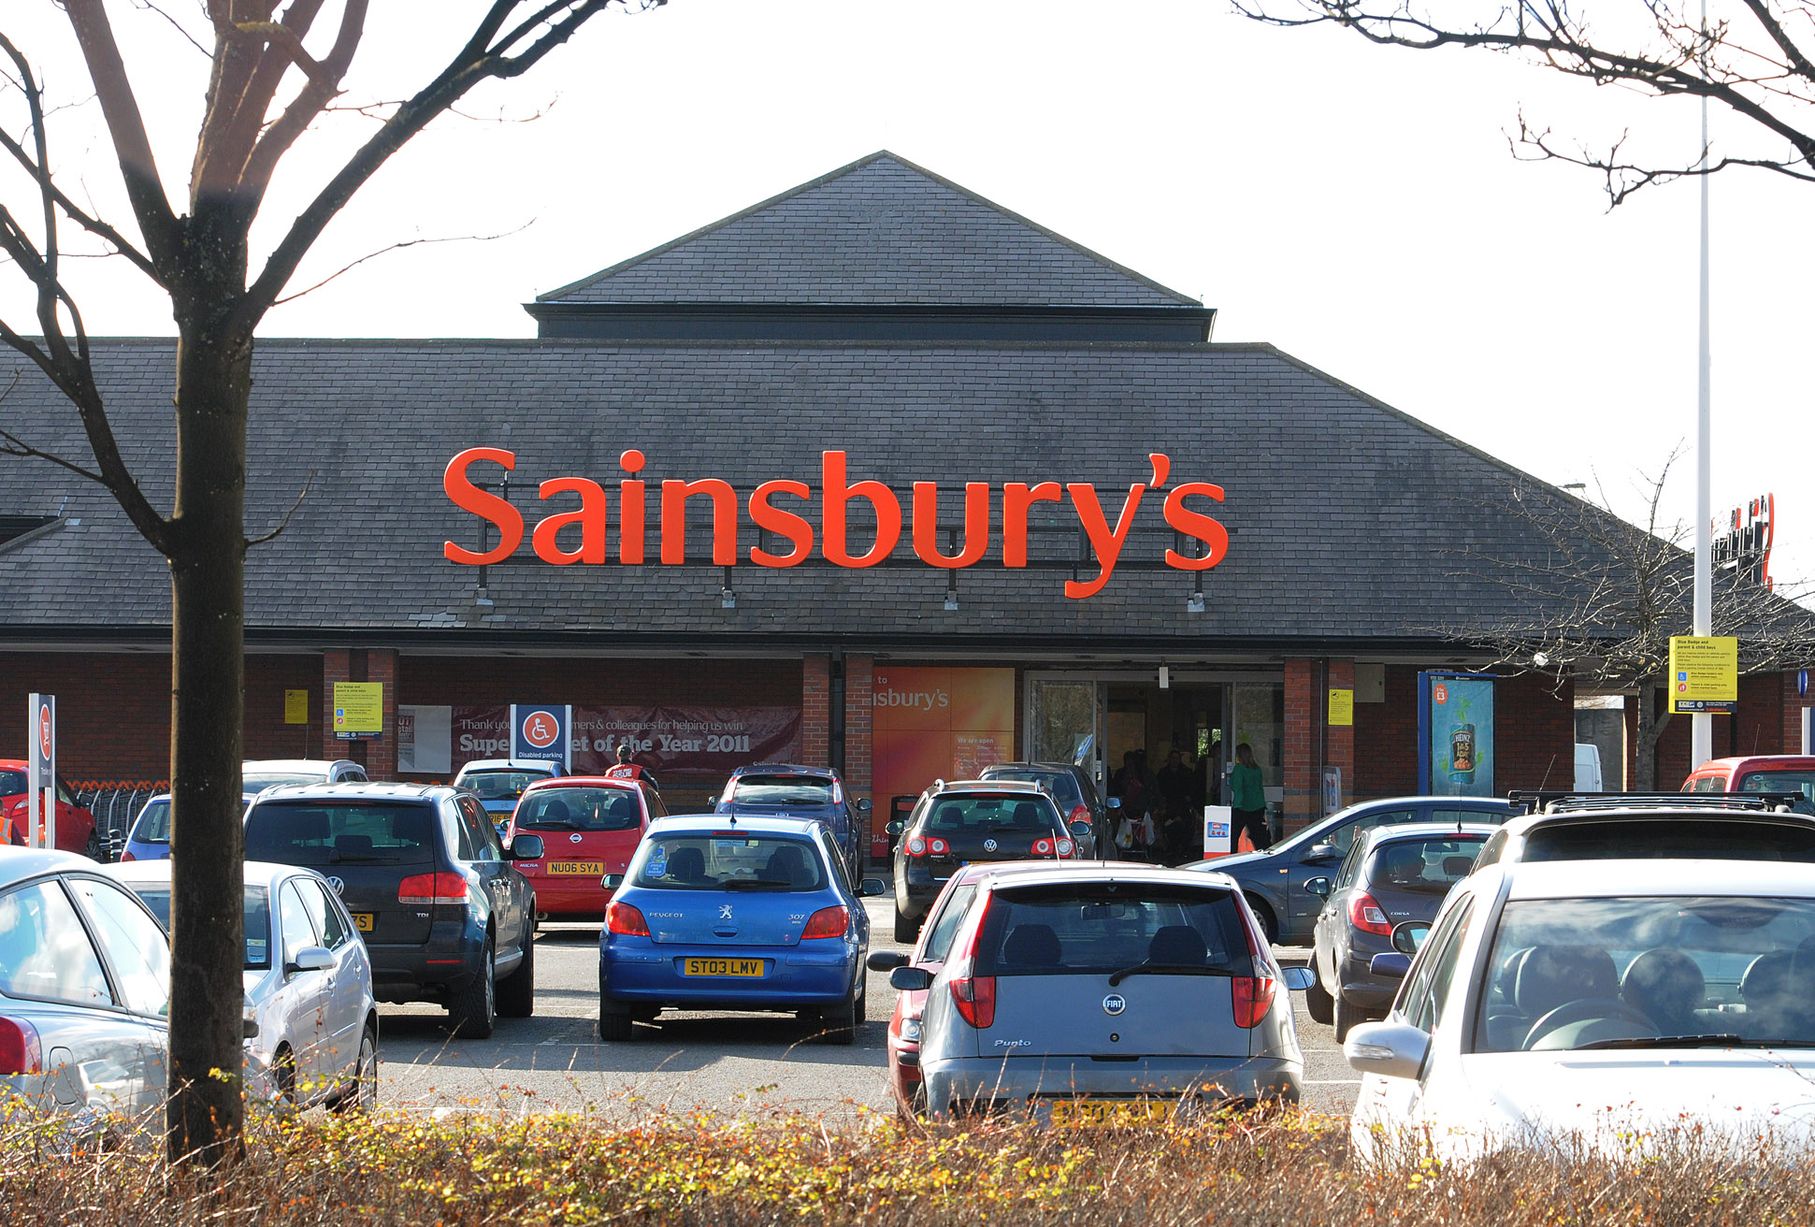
{"type": "Point", "coordinates": [1248, 800]}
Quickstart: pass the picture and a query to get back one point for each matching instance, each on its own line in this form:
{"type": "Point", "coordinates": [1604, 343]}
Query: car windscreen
{"type": "Point", "coordinates": [153, 826]}
{"type": "Point", "coordinates": [992, 814]}
{"type": "Point", "coordinates": [318, 833]}
{"type": "Point", "coordinates": [257, 912]}
{"type": "Point", "coordinates": [1427, 866]}
{"type": "Point", "coordinates": [1061, 784]}
{"type": "Point", "coordinates": [1712, 836]}
{"type": "Point", "coordinates": [780, 789]}
{"type": "Point", "coordinates": [1783, 781]}
{"type": "Point", "coordinates": [579, 809]}
{"type": "Point", "coordinates": [1102, 928]}
{"type": "Point", "coordinates": [12, 783]}
{"type": "Point", "coordinates": [1636, 972]}
{"type": "Point", "coordinates": [501, 785]}
{"type": "Point", "coordinates": [730, 861]}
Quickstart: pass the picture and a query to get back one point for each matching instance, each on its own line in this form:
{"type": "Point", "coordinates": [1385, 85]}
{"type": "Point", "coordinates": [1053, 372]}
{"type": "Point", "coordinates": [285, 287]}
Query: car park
{"type": "Point", "coordinates": [75, 823]}
{"type": "Point", "coordinates": [1629, 826]}
{"type": "Point", "coordinates": [499, 782]}
{"type": "Point", "coordinates": [445, 915]}
{"type": "Point", "coordinates": [1603, 1007]}
{"type": "Point", "coordinates": [1276, 880]}
{"type": "Point", "coordinates": [792, 791]}
{"type": "Point", "coordinates": [1076, 794]}
{"type": "Point", "coordinates": [954, 824]}
{"type": "Point", "coordinates": [308, 981]}
{"type": "Point", "coordinates": [1783, 773]}
{"type": "Point", "coordinates": [732, 912]}
{"type": "Point", "coordinates": [589, 826]}
{"type": "Point", "coordinates": [1392, 874]}
{"type": "Point", "coordinates": [1099, 994]}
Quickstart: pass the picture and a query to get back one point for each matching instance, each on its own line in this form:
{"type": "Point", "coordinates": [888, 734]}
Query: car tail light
{"type": "Point", "coordinates": [975, 996]}
{"type": "Point", "coordinates": [432, 888]}
{"type": "Point", "coordinates": [19, 1050]}
{"type": "Point", "coordinates": [625, 920]}
{"type": "Point", "coordinates": [1042, 847]}
{"type": "Point", "coordinates": [1065, 847]}
{"type": "Point", "coordinates": [916, 846]}
{"type": "Point", "coordinates": [128, 856]}
{"type": "Point", "coordinates": [1366, 914]}
{"type": "Point", "coordinates": [928, 845]}
{"type": "Point", "coordinates": [1079, 814]}
{"type": "Point", "coordinates": [827, 922]}
{"type": "Point", "coordinates": [1252, 996]}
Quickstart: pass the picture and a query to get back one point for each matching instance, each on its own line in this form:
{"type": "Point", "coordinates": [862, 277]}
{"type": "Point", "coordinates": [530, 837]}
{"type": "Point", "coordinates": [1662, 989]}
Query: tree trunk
{"type": "Point", "coordinates": [1650, 729]}
{"type": "Point", "coordinates": [207, 574]}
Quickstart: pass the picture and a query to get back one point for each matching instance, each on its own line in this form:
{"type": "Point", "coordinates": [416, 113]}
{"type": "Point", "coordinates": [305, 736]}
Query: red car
{"type": "Point", "coordinates": [75, 825]}
{"type": "Point", "coordinates": [1759, 773]}
{"type": "Point", "coordinates": [589, 826]}
{"type": "Point", "coordinates": [935, 940]}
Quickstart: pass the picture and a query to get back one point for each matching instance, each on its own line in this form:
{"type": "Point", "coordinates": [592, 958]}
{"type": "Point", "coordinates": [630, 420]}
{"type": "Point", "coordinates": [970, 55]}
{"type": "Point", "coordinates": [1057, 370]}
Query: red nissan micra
{"type": "Point", "coordinates": [589, 827]}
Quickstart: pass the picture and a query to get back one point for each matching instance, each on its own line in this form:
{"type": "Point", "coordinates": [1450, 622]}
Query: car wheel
{"type": "Point", "coordinates": [283, 1075]}
{"type": "Point", "coordinates": [93, 849]}
{"type": "Point", "coordinates": [838, 1024]}
{"type": "Point", "coordinates": [1345, 1015]}
{"type": "Point", "coordinates": [1269, 925]}
{"type": "Point", "coordinates": [615, 1021]}
{"type": "Point", "coordinates": [1318, 1003]}
{"type": "Point", "coordinates": [907, 929]}
{"type": "Point", "coordinates": [362, 1096]}
{"type": "Point", "coordinates": [517, 995]}
{"type": "Point", "coordinates": [476, 1013]}
{"type": "Point", "coordinates": [861, 1006]}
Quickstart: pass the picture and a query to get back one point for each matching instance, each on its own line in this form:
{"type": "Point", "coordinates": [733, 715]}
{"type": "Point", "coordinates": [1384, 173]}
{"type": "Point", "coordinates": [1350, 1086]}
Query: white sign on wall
{"type": "Point", "coordinates": [425, 739]}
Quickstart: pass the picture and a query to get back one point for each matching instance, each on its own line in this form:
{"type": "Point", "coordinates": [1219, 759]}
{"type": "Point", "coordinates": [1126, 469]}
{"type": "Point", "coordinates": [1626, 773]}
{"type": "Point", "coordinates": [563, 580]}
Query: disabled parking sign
{"type": "Point", "coordinates": [541, 731]}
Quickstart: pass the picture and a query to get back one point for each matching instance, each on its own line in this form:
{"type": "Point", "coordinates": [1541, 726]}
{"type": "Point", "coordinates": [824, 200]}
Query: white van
{"type": "Point", "coordinates": [1588, 767]}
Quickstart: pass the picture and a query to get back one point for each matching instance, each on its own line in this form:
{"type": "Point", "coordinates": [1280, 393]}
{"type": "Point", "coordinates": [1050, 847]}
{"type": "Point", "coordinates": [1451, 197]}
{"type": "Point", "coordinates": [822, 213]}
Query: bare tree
{"type": "Point", "coordinates": [270, 76]}
{"type": "Point", "coordinates": [1599, 599]}
{"type": "Point", "coordinates": [1758, 64]}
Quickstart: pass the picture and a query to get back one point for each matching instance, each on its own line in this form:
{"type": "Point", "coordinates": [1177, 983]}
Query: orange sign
{"type": "Point", "coordinates": [936, 723]}
{"type": "Point", "coordinates": [776, 508]}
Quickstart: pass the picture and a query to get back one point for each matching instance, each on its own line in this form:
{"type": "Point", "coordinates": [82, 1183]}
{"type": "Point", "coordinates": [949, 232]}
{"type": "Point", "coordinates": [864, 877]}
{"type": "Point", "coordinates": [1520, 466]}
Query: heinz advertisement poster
{"type": "Point", "coordinates": [1456, 734]}
{"type": "Point", "coordinates": [936, 723]}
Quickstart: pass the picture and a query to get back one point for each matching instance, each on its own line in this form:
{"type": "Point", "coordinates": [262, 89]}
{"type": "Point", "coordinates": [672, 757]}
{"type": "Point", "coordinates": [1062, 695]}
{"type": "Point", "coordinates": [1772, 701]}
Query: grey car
{"type": "Point", "coordinates": [1275, 880]}
{"type": "Point", "coordinates": [1644, 829]}
{"type": "Point", "coordinates": [1105, 994]}
{"type": "Point", "coordinates": [1391, 875]}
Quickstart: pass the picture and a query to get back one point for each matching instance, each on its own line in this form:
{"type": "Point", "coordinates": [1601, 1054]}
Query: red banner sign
{"type": "Point", "coordinates": [678, 740]}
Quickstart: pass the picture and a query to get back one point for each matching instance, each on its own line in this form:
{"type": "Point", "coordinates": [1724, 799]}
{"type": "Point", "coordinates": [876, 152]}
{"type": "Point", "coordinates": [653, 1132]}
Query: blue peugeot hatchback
{"type": "Point", "coordinates": [734, 912]}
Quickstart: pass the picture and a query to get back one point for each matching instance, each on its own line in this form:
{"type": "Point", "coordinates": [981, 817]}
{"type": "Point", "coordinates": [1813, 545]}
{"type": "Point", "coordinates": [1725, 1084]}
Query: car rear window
{"type": "Point", "coordinates": [1704, 835]}
{"type": "Point", "coordinates": [501, 785]}
{"type": "Point", "coordinates": [1061, 784]}
{"type": "Point", "coordinates": [780, 789]}
{"type": "Point", "coordinates": [730, 862]}
{"type": "Point", "coordinates": [153, 826]}
{"type": "Point", "coordinates": [1783, 781]}
{"type": "Point", "coordinates": [317, 833]}
{"type": "Point", "coordinates": [1101, 928]}
{"type": "Point", "coordinates": [1428, 866]}
{"type": "Point", "coordinates": [993, 814]}
{"type": "Point", "coordinates": [258, 781]}
{"type": "Point", "coordinates": [11, 782]}
{"type": "Point", "coordinates": [580, 809]}
{"type": "Point", "coordinates": [257, 914]}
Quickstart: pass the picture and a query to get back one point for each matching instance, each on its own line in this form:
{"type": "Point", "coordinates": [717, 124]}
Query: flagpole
{"type": "Point", "coordinates": [1701, 724]}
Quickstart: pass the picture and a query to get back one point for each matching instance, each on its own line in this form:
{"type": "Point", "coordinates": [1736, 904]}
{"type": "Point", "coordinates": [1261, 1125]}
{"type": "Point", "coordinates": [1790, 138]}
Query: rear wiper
{"type": "Point", "coordinates": [353, 858]}
{"type": "Point", "coordinates": [755, 884]}
{"type": "Point", "coordinates": [1171, 969]}
{"type": "Point", "coordinates": [551, 824]}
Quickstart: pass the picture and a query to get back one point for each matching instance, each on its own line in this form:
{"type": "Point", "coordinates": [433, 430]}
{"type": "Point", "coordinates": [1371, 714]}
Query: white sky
{"type": "Point", "coordinates": [1356, 206]}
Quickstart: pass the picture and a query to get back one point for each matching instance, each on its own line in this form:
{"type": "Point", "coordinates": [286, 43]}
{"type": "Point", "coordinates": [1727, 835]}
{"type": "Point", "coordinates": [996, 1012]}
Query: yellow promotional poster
{"type": "Point", "coordinates": [1704, 673]}
{"type": "Point", "coordinates": [936, 723]}
{"type": "Point", "coordinates": [1342, 708]}
{"type": "Point", "coordinates": [358, 709]}
{"type": "Point", "coordinates": [296, 707]}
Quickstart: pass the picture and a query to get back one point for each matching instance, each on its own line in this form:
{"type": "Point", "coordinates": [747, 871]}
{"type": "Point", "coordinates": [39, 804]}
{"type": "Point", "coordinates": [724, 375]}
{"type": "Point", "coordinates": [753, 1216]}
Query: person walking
{"type": "Point", "coordinates": [1248, 800]}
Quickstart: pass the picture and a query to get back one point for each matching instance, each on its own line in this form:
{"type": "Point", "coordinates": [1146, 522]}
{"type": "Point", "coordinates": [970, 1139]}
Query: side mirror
{"type": "Point", "coordinates": [1318, 853]}
{"type": "Point", "coordinates": [1298, 979]}
{"type": "Point", "coordinates": [1390, 1049]}
{"type": "Point", "coordinates": [1409, 936]}
{"type": "Point", "coordinates": [863, 805]}
{"type": "Point", "coordinates": [1113, 803]}
{"type": "Point", "coordinates": [886, 960]}
{"type": "Point", "coordinates": [1390, 966]}
{"type": "Point", "coordinates": [527, 848]}
{"type": "Point", "coordinates": [911, 979]}
{"type": "Point", "coordinates": [1081, 830]}
{"type": "Point", "coordinates": [869, 888]}
{"type": "Point", "coordinates": [1319, 887]}
{"type": "Point", "coordinates": [612, 881]}
{"type": "Point", "coordinates": [312, 958]}
{"type": "Point", "coordinates": [896, 826]}
{"type": "Point", "coordinates": [248, 1020]}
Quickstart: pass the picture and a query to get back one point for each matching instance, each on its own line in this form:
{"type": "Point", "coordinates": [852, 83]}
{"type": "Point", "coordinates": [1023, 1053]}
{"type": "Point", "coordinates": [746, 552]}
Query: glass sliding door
{"type": "Point", "coordinates": [1064, 724]}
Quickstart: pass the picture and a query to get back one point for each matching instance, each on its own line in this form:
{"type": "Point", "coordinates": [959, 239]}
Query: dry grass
{"type": "Point", "coordinates": [1284, 1169]}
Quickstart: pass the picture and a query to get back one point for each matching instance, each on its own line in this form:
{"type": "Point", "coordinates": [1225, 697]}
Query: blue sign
{"type": "Point", "coordinates": [541, 730]}
{"type": "Point", "coordinates": [1456, 734]}
{"type": "Point", "coordinates": [1802, 683]}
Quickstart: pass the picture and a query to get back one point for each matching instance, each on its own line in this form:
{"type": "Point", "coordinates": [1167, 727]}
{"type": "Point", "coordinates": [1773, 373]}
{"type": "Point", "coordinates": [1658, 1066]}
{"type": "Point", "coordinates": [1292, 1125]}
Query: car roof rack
{"type": "Point", "coordinates": [1541, 801]}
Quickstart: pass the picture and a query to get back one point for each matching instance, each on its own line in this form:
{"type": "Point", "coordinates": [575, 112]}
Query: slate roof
{"type": "Point", "coordinates": [1344, 516]}
{"type": "Point", "coordinates": [879, 231]}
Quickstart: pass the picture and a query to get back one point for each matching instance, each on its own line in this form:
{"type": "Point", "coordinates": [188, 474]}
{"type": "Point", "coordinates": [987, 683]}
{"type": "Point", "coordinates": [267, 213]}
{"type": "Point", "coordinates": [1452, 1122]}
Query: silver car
{"type": "Point", "coordinates": [1095, 994]}
{"type": "Point", "coordinates": [84, 991]}
{"type": "Point", "coordinates": [308, 985]}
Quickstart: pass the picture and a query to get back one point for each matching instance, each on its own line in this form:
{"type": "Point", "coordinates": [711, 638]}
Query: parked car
{"type": "Point", "coordinates": [1275, 880]}
{"type": "Point", "coordinates": [1392, 874]}
{"type": "Point", "coordinates": [1792, 773]}
{"type": "Point", "coordinates": [499, 782]}
{"type": "Point", "coordinates": [1076, 794]}
{"type": "Point", "coordinates": [1105, 994]}
{"type": "Point", "coordinates": [590, 826]}
{"type": "Point", "coordinates": [84, 992]}
{"type": "Point", "coordinates": [75, 824]}
{"type": "Point", "coordinates": [256, 775]}
{"type": "Point", "coordinates": [445, 915]}
{"type": "Point", "coordinates": [792, 791]}
{"type": "Point", "coordinates": [734, 912]}
{"type": "Point", "coordinates": [955, 824]}
{"type": "Point", "coordinates": [149, 837]}
{"type": "Point", "coordinates": [1602, 1006]}
{"type": "Point", "coordinates": [308, 984]}
{"type": "Point", "coordinates": [1724, 826]}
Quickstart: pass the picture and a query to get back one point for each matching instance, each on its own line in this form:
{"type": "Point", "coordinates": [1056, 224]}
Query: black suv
{"type": "Point", "coordinates": [446, 916]}
{"type": "Point", "coordinates": [1073, 791]}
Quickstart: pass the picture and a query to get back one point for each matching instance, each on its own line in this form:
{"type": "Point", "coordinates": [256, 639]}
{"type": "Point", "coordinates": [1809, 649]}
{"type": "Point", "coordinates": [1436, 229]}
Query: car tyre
{"type": "Point", "coordinates": [1269, 925]}
{"type": "Point", "coordinates": [907, 928]}
{"type": "Point", "coordinates": [1318, 1002]}
{"type": "Point", "coordinates": [362, 1096]}
{"type": "Point", "coordinates": [838, 1024]}
{"type": "Point", "coordinates": [475, 1014]}
{"type": "Point", "coordinates": [1345, 1015]}
{"type": "Point", "coordinates": [517, 995]}
{"type": "Point", "coordinates": [615, 1021]}
{"type": "Point", "coordinates": [283, 1076]}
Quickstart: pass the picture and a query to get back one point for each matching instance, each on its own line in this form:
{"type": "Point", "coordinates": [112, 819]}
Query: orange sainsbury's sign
{"type": "Point", "coordinates": [783, 508]}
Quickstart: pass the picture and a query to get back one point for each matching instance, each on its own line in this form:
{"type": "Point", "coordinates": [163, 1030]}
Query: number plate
{"type": "Point", "coordinates": [363, 921]}
{"type": "Point", "coordinates": [592, 869]}
{"type": "Point", "coordinates": [1110, 1113]}
{"type": "Point", "coordinates": [746, 968]}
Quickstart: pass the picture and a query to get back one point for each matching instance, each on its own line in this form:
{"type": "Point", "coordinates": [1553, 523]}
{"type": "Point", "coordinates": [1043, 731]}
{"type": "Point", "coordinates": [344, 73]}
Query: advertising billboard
{"type": "Point", "coordinates": [935, 723]}
{"type": "Point", "coordinates": [1456, 734]}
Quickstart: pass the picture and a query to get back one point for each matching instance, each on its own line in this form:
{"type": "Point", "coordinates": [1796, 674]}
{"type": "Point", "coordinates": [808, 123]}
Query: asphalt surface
{"type": "Point", "coordinates": [727, 1064]}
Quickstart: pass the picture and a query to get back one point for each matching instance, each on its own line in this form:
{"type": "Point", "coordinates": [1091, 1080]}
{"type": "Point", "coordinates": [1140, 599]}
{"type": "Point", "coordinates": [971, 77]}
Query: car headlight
{"type": "Point", "coordinates": [910, 1029]}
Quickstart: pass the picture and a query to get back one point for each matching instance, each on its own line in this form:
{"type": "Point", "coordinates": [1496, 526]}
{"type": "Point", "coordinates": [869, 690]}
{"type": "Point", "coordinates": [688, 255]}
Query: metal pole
{"type": "Point", "coordinates": [1701, 724]}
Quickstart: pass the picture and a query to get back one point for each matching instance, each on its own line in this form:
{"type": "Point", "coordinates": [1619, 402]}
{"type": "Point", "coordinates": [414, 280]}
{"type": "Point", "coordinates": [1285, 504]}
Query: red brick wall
{"type": "Point", "coordinates": [1768, 722]}
{"type": "Point", "coordinates": [1339, 741]}
{"type": "Point", "coordinates": [379, 754]}
{"type": "Point", "coordinates": [815, 712]}
{"type": "Point", "coordinates": [1386, 738]}
{"type": "Point", "coordinates": [1791, 724]}
{"type": "Point", "coordinates": [1534, 733]}
{"type": "Point", "coordinates": [1302, 726]}
{"type": "Point", "coordinates": [859, 720]}
{"type": "Point", "coordinates": [475, 681]}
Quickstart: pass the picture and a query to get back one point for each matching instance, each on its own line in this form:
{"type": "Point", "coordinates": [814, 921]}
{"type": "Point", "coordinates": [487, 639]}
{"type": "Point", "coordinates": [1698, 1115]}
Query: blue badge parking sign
{"type": "Point", "coordinates": [541, 730]}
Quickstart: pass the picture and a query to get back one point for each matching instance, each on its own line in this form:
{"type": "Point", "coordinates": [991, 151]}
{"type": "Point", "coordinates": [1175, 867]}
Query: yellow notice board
{"type": "Point", "coordinates": [358, 709]}
{"type": "Point", "coordinates": [296, 707]}
{"type": "Point", "coordinates": [1704, 673]}
{"type": "Point", "coordinates": [1342, 708]}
